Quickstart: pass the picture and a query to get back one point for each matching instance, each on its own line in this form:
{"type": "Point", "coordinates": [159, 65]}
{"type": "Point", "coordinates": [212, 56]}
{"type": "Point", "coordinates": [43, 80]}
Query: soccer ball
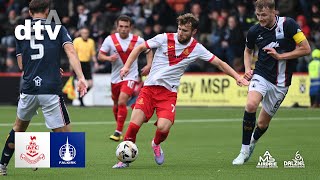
{"type": "Point", "coordinates": [127, 152]}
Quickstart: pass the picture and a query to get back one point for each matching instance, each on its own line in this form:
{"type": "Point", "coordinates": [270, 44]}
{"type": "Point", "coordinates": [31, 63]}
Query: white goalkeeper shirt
{"type": "Point", "coordinates": [172, 58]}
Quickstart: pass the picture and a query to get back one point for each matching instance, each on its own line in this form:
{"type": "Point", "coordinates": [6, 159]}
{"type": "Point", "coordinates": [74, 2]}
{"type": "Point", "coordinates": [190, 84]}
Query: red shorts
{"type": "Point", "coordinates": [124, 86]}
{"type": "Point", "coordinates": [157, 98]}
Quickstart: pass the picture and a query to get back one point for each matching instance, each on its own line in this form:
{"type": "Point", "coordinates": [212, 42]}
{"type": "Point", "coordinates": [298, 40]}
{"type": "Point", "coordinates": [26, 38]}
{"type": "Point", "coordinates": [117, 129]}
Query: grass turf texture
{"type": "Point", "coordinates": [201, 145]}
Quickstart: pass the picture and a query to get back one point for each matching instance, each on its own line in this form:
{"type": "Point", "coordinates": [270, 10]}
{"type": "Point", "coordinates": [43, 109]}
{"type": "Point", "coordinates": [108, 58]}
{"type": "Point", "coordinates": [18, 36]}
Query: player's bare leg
{"type": "Point", "coordinates": [66, 128]}
{"type": "Point", "coordinates": [137, 119]}
{"type": "Point", "coordinates": [8, 150]}
{"type": "Point", "coordinates": [163, 128]}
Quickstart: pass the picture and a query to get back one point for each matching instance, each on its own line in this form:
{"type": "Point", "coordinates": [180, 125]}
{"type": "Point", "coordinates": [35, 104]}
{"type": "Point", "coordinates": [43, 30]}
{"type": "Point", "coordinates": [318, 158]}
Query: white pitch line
{"type": "Point", "coordinates": [179, 121]}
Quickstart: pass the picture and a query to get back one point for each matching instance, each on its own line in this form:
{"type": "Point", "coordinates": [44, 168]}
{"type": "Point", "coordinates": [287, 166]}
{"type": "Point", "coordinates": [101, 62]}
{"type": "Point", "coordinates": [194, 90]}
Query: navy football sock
{"type": "Point", "coordinates": [259, 132]}
{"type": "Point", "coordinates": [249, 120]}
{"type": "Point", "coordinates": [7, 151]}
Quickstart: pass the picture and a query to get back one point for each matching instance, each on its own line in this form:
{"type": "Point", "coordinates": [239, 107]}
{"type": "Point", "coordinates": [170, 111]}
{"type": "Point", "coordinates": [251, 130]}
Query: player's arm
{"type": "Point", "coordinates": [229, 71]}
{"type": "Point", "coordinates": [19, 59]}
{"type": "Point", "coordinates": [146, 69]}
{"type": "Point", "coordinates": [104, 57]}
{"type": "Point", "coordinates": [302, 45]}
{"type": "Point", "coordinates": [132, 57]}
{"type": "Point", "coordinates": [76, 66]}
{"type": "Point", "coordinates": [248, 55]}
{"type": "Point", "coordinates": [302, 49]}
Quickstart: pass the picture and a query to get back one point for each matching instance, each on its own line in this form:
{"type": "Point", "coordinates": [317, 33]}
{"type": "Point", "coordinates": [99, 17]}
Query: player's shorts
{"type": "Point", "coordinates": [272, 95]}
{"type": "Point", "coordinates": [157, 98]}
{"type": "Point", "coordinates": [53, 107]}
{"type": "Point", "coordinates": [124, 86]}
{"type": "Point", "coordinates": [86, 69]}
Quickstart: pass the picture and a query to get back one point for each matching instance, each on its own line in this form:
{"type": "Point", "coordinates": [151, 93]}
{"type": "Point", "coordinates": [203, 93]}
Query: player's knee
{"type": "Point", "coordinates": [251, 107]}
{"type": "Point", "coordinates": [262, 125]}
{"type": "Point", "coordinates": [122, 103]}
{"type": "Point", "coordinates": [11, 145]}
{"type": "Point", "coordinates": [164, 127]}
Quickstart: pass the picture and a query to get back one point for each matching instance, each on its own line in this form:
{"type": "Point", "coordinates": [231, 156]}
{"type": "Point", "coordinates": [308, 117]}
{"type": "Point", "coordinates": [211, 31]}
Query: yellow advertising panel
{"type": "Point", "coordinates": [222, 90]}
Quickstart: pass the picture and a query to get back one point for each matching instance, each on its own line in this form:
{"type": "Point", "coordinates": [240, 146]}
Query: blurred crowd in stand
{"type": "Point", "coordinates": [222, 29]}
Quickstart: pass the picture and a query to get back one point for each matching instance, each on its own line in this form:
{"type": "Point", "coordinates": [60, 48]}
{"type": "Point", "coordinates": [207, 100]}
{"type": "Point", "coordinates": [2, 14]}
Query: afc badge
{"type": "Point", "coordinates": [33, 154]}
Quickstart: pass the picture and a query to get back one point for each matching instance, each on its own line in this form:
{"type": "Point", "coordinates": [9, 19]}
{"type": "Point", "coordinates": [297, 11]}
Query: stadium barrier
{"type": "Point", "coordinates": [10, 87]}
{"type": "Point", "coordinates": [196, 89]}
{"type": "Point", "coordinates": [221, 90]}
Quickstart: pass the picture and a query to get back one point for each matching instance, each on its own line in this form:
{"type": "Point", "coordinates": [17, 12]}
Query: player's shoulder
{"type": "Point", "coordinates": [107, 39]}
{"type": "Point", "coordinates": [198, 45]}
{"type": "Point", "coordinates": [289, 21]}
{"type": "Point", "coordinates": [255, 28]}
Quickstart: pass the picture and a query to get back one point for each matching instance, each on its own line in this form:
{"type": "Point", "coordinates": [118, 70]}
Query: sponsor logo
{"type": "Point", "coordinates": [297, 162]}
{"type": "Point", "coordinates": [272, 45]}
{"type": "Point", "coordinates": [267, 161]}
{"type": "Point", "coordinates": [37, 81]}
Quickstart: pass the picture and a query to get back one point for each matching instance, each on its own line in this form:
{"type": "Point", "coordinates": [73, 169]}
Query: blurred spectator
{"type": "Point", "coordinates": [287, 8]}
{"type": "Point", "coordinates": [148, 32]}
{"type": "Point", "coordinates": [302, 21]}
{"type": "Point", "coordinates": [213, 16]}
{"type": "Point", "coordinates": [163, 15]}
{"type": "Point", "coordinates": [315, 24]}
{"type": "Point", "coordinates": [217, 5]}
{"type": "Point", "coordinates": [111, 9]}
{"type": "Point", "coordinates": [216, 38]}
{"type": "Point", "coordinates": [178, 5]}
{"type": "Point", "coordinates": [245, 19]}
{"type": "Point", "coordinates": [204, 23]}
{"type": "Point", "coordinates": [82, 18]}
{"type": "Point", "coordinates": [234, 42]}
{"type": "Point", "coordinates": [11, 66]}
{"type": "Point", "coordinates": [24, 15]}
{"type": "Point", "coordinates": [314, 74]}
{"type": "Point", "coordinates": [134, 10]}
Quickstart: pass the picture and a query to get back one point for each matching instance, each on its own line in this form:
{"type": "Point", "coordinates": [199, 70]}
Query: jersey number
{"type": "Point", "coordinates": [39, 47]}
{"type": "Point", "coordinates": [130, 84]}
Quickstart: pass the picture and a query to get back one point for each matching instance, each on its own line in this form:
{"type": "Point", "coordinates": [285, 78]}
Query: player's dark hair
{"type": "Point", "coordinates": [188, 19]}
{"type": "Point", "coordinates": [39, 6]}
{"type": "Point", "coordinates": [260, 4]}
{"type": "Point", "coordinates": [125, 18]}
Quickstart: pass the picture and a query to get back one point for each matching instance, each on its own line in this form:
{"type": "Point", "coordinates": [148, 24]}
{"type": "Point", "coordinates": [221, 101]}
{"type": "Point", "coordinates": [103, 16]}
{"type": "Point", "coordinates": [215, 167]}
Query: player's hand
{"type": "Point", "coordinates": [61, 72]}
{"type": "Point", "coordinates": [96, 65]}
{"type": "Point", "coordinates": [272, 52]}
{"type": "Point", "coordinates": [145, 70]}
{"type": "Point", "coordinates": [241, 81]}
{"type": "Point", "coordinates": [124, 72]}
{"type": "Point", "coordinates": [248, 75]}
{"type": "Point", "coordinates": [113, 57]}
{"type": "Point", "coordinates": [82, 86]}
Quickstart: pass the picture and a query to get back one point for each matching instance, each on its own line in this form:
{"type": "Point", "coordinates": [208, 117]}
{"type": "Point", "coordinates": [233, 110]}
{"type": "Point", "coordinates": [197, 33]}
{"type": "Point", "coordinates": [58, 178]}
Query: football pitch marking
{"type": "Point", "coordinates": [178, 121]}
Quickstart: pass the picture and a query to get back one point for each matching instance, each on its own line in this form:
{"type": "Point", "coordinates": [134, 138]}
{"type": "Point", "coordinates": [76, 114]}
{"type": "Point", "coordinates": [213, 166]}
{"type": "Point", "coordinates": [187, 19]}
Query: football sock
{"type": "Point", "coordinates": [81, 100]}
{"type": "Point", "coordinates": [7, 151]}
{"type": "Point", "coordinates": [249, 120]}
{"type": "Point", "coordinates": [132, 132]}
{"type": "Point", "coordinates": [160, 137]}
{"type": "Point", "coordinates": [122, 115]}
{"type": "Point", "coordinates": [115, 112]}
{"type": "Point", "coordinates": [258, 133]}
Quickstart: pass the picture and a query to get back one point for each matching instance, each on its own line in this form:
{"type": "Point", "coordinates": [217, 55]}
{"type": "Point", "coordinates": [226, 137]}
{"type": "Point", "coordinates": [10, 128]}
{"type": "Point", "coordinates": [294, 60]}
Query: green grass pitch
{"type": "Point", "coordinates": [201, 145]}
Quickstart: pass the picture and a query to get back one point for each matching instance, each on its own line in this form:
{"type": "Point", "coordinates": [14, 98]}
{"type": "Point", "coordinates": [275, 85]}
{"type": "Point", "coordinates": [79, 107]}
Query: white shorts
{"type": "Point", "coordinates": [272, 95]}
{"type": "Point", "coordinates": [53, 107]}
